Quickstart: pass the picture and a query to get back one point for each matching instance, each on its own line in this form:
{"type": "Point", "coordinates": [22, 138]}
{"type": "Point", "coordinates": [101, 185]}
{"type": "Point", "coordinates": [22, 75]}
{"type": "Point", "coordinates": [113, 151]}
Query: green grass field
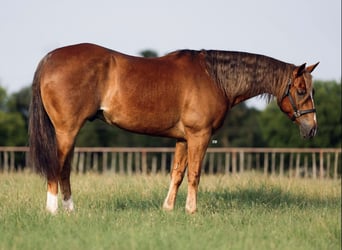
{"type": "Point", "coordinates": [121, 212]}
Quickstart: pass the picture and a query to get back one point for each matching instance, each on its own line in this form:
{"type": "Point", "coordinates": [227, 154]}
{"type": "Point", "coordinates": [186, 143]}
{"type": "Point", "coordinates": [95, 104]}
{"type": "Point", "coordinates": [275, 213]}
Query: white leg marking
{"type": "Point", "coordinates": [68, 205]}
{"type": "Point", "coordinates": [166, 205]}
{"type": "Point", "coordinates": [52, 203]}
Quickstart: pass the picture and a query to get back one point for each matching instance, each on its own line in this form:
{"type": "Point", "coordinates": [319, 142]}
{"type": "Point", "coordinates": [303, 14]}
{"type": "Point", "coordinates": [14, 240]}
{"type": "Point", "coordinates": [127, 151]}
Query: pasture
{"type": "Point", "coordinates": [246, 211]}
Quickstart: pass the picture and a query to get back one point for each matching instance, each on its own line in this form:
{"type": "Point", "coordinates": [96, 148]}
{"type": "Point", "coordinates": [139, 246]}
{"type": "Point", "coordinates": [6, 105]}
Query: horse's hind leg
{"type": "Point", "coordinates": [52, 198]}
{"type": "Point", "coordinates": [64, 182]}
{"type": "Point", "coordinates": [177, 174]}
{"type": "Point", "coordinates": [65, 144]}
{"type": "Point", "coordinates": [65, 151]}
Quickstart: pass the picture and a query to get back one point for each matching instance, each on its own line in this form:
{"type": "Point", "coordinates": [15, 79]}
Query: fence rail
{"type": "Point", "coordinates": [292, 162]}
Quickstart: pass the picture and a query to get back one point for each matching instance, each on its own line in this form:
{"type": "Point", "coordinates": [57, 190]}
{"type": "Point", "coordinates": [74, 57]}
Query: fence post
{"type": "Point", "coordinates": [314, 166]}
{"type": "Point", "coordinates": [234, 163]}
{"type": "Point", "coordinates": [121, 163]}
{"type": "Point", "coordinates": [265, 164]}
{"type": "Point", "coordinates": [219, 160]}
{"type": "Point", "coordinates": [273, 164]}
{"type": "Point", "coordinates": [129, 163]}
{"type": "Point", "coordinates": [321, 166]}
{"type": "Point", "coordinates": [335, 165]}
{"type": "Point", "coordinates": [144, 162]}
{"type": "Point", "coordinates": [328, 166]}
{"type": "Point", "coordinates": [242, 161]}
{"type": "Point", "coordinates": [12, 161]}
{"type": "Point", "coordinates": [137, 163]}
{"type": "Point", "coordinates": [227, 163]}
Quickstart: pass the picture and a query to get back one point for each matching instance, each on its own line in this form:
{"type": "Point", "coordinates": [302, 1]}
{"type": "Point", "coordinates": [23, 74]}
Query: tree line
{"type": "Point", "coordinates": [243, 127]}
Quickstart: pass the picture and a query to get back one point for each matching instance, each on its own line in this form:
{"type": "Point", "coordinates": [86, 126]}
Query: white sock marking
{"type": "Point", "coordinates": [68, 205]}
{"type": "Point", "coordinates": [52, 203]}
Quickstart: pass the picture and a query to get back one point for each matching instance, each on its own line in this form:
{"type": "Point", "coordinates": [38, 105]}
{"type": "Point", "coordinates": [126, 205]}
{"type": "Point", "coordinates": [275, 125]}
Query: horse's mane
{"type": "Point", "coordinates": [255, 74]}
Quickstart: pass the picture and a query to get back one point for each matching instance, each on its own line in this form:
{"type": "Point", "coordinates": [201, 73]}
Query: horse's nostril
{"type": "Point", "coordinates": [313, 132]}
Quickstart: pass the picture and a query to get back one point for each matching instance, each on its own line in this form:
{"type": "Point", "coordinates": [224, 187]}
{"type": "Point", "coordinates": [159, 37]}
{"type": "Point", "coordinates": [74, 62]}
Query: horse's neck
{"type": "Point", "coordinates": [242, 75]}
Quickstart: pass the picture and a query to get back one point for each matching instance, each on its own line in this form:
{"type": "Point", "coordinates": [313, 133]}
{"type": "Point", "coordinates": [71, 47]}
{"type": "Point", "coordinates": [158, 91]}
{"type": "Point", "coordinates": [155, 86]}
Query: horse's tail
{"type": "Point", "coordinates": [42, 136]}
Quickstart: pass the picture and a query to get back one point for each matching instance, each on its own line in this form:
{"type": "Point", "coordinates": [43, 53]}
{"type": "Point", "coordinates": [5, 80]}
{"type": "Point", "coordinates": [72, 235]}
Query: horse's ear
{"type": "Point", "coordinates": [312, 67]}
{"type": "Point", "coordinates": [299, 70]}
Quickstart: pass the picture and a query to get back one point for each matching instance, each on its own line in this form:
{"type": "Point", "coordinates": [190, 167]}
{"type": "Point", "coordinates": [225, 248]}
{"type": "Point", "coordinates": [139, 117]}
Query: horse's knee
{"type": "Point", "coordinates": [177, 177]}
{"type": "Point", "coordinates": [193, 178]}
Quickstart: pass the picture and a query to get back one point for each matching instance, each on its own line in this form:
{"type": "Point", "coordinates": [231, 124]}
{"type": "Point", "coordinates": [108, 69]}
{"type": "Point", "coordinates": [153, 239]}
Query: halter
{"type": "Point", "coordinates": [296, 113]}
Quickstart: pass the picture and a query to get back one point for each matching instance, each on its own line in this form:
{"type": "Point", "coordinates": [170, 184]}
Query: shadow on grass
{"type": "Point", "coordinates": [263, 196]}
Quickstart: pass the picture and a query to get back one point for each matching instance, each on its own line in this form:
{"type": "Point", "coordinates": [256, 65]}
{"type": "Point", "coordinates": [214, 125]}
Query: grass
{"type": "Point", "coordinates": [121, 212]}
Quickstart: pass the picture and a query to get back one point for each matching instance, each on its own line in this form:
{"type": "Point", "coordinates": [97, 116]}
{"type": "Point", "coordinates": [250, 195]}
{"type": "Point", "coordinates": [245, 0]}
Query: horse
{"type": "Point", "coordinates": [183, 95]}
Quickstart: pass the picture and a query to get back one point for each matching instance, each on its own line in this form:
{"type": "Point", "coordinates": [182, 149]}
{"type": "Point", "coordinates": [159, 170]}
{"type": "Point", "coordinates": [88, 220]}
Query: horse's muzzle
{"type": "Point", "coordinates": [308, 131]}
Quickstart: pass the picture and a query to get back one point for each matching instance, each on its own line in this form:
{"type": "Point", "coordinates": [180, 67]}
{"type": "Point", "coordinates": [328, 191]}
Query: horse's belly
{"type": "Point", "coordinates": [146, 122]}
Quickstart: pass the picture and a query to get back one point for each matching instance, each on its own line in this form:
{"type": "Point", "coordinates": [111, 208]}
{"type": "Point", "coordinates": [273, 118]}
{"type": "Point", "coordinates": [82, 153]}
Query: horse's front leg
{"type": "Point", "coordinates": [177, 174]}
{"type": "Point", "coordinates": [197, 146]}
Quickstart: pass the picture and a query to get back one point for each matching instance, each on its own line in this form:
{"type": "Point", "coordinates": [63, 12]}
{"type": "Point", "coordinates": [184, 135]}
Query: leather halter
{"type": "Point", "coordinates": [296, 112]}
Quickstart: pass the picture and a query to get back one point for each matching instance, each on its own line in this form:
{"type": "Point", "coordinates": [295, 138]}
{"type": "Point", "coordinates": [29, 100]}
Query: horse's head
{"type": "Point", "coordinates": [297, 101]}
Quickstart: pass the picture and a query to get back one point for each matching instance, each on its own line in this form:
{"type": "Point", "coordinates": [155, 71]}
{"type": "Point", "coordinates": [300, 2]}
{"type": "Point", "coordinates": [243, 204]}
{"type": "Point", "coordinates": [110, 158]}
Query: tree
{"type": "Point", "coordinates": [12, 125]}
{"type": "Point", "coordinates": [148, 53]}
{"type": "Point", "coordinates": [20, 102]}
{"type": "Point", "coordinates": [328, 104]}
{"type": "Point", "coordinates": [3, 99]}
{"type": "Point", "coordinates": [12, 129]}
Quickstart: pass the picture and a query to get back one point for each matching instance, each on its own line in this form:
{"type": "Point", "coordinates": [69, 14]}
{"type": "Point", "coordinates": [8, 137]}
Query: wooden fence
{"type": "Point", "coordinates": [291, 162]}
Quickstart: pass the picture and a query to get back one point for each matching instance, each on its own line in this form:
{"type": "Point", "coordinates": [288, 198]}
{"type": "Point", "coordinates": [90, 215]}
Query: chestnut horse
{"type": "Point", "coordinates": [184, 95]}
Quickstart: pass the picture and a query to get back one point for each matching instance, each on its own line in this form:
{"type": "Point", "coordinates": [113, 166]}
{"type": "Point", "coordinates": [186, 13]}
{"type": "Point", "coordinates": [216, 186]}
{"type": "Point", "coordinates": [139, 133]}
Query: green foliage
{"type": "Point", "coordinates": [19, 102]}
{"type": "Point", "coordinates": [12, 129]}
{"type": "Point", "coordinates": [3, 99]}
{"type": "Point", "coordinates": [240, 128]}
{"type": "Point", "coordinates": [328, 103]}
{"type": "Point", "coordinates": [148, 53]}
{"type": "Point", "coordinates": [121, 212]}
{"type": "Point", "coordinates": [12, 125]}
